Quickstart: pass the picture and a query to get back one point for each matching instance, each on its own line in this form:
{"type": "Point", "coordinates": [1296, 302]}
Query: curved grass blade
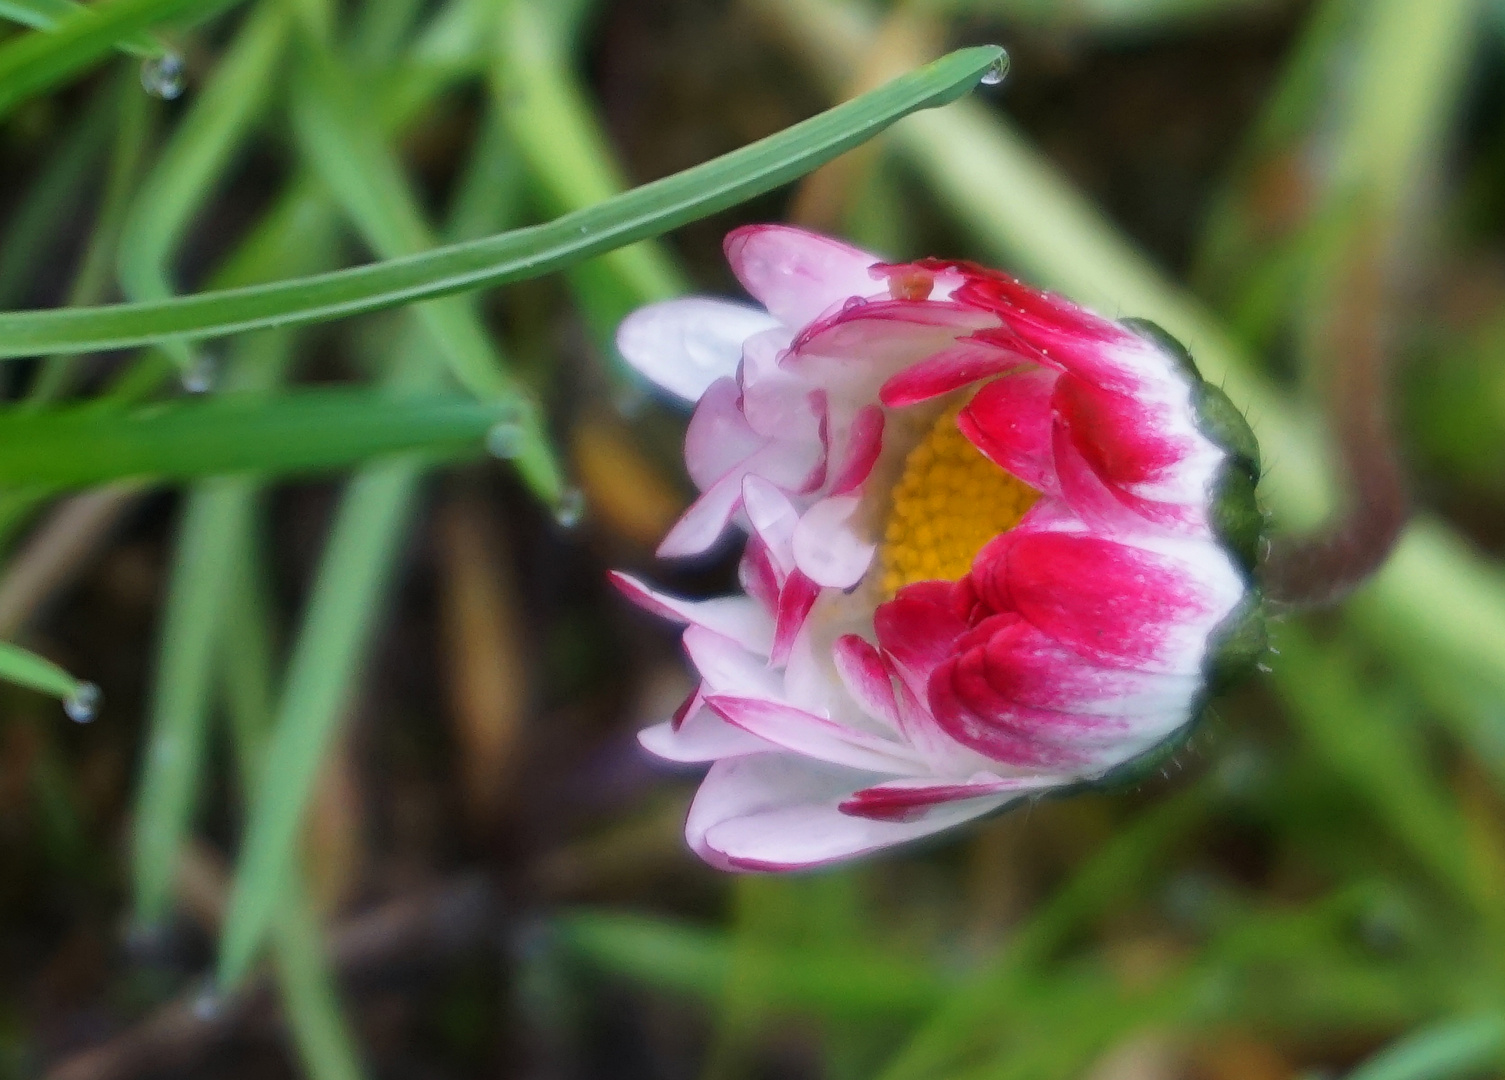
{"type": "Point", "coordinates": [39, 61]}
{"type": "Point", "coordinates": [26, 668]}
{"type": "Point", "coordinates": [217, 518]}
{"type": "Point", "coordinates": [310, 995]}
{"type": "Point", "coordinates": [95, 276]}
{"type": "Point", "coordinates": [201, 148]}
{"type": "Point", "coordinates": [295, 432]}
{"type": "Point", "coordinates": [571, 163]}
{"type": "Point", "coordinates": [354, 574]}
{"type": "Point", "coordinates": [46, 14]}
{"type": "Point", "coordinates": [54, 196]}
{"type": "Point", "coordinates": [1465, 1046]}
{"type": "Point", "coordinates": [353, 158]}
{"type": "Point", "coordinates": [527, 253]}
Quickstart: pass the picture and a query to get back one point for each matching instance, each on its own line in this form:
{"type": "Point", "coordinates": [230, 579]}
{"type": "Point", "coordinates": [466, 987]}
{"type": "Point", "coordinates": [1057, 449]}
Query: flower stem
{"type": "Point", "coordinates": [1321, 567]}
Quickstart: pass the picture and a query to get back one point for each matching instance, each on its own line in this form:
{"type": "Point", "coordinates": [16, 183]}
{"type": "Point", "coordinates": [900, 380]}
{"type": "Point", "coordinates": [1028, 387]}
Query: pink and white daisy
{"type": "Point", "coordinates": [996, 545]}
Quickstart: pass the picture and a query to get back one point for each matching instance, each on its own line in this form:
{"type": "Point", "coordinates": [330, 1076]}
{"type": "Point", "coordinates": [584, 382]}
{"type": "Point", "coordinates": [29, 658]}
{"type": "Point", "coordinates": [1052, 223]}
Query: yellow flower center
{"type": "Point", "coordinates": [949, 502]}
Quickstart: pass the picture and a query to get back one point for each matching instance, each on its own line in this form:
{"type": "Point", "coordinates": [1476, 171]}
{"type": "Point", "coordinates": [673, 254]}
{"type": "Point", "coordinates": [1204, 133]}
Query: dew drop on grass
{"type": "Point", "coordinates": [569, 511]}
{"type": "Point", "coordinates": [504, 439]}
{"type": "Point", "coordinates": [163, 76]}
{"type": "Point", "coordinates": [199, 378]}
{"type": "Point", "coordinates": [996, 71]}
{"type": "Point", "coordinates": [83, 704]}
{"type": "Point", "coordinates": [208, 1003]}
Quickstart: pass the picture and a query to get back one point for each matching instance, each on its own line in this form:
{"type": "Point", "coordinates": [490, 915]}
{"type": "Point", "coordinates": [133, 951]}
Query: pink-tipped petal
{"type": "Point", "coordinates": [796, 599]}
{"type": "Point", "coordinates": [775, 812]}
{"type": "Point", "coordinates": [703, 736]}
{"type": "Point", "coordinates": [1009, 420]}
{"type": "Point", "coordinates": [866, 677]}
{"type": "Point", "coordinates": [718, 438]}
{"type": "Point", "coordinates": [686, 345]}
{"type": "Point", "coordinates": [864, 444]}
{"type": "Point", "coordinates": [797, 275]}
{"type": "Point", "coordinates": [828, 549]}
{"type": "Point", "coordinates": [727, 668]}
{"type": "Point", "coordinates": [702, 524]}
{"type": "Point", "coordinates": [911, 800]}
{"type": "Point", "coordinates": [814, 736]}
{"type": "Point", "coordinates": [1121, 605]}
{"type": "Point", "coordinates": [774, 520]}
{"type": "Point", "coordinates": [736, 617]}
{"type": "Point", "coordinates": [950, 369]}
{"type": "Point", "coordinates": [1124, 440]}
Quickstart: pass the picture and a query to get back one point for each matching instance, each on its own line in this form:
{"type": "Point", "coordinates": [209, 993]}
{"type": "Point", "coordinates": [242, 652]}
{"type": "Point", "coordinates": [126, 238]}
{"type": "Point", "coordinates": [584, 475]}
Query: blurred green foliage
{"type": "Point", "coordinates": [1367, 768]}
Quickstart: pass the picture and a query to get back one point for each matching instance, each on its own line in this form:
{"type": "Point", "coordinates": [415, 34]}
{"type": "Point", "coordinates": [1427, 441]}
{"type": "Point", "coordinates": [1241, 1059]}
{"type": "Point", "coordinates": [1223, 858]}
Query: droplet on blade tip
{"type": "Point", "coordinates": [201, 374]}
{"type": "Point", "coordinates": [83, 704]}
{"type": "Point", "coordinates": [164, 76]}
{"type": "Point", "coordinates": [569, 511]}
{"type": "Point", "coordinates": [996, 71]}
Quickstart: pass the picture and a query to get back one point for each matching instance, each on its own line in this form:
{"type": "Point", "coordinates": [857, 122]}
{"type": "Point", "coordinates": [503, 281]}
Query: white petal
{"type": "Point", "coordinates": [685, 345]}
{"type": "Point", "coordinates": [827, 547]}
{"type": "Point", "coordinates": [778, 812]}
{"type": "Point", "coordinates": [703, 736]}
{"type": "Point", "coordinates": [740, 618]}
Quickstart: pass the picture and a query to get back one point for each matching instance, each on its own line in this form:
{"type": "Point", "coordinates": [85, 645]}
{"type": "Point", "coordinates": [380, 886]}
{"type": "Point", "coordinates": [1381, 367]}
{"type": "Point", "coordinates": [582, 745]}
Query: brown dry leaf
{"type": "Point", "coordinates": [1143, 961]}
{"type": "Point", "coordinates": [201, 884]}
{"type": "Point", "coordinates": [1485, 828]}
{"type": "Point", "coordinates": [627, 494]}
{"type": "Point", "coordinates": [1239, 1055]}
{"type": "Point", "coordinates": [483, 653]}
{"type": "Point", "coordinates": [335, 838]}
{"type": "Point", "coordinates": [1145, 1055]}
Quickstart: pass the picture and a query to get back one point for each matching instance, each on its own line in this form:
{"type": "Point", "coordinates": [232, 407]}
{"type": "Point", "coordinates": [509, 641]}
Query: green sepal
{"type": "Point", "coordinates": [1236, 644]}
{"type": "Point", "coordinates": [1235, 515]}
{"type": "Point", "coordinates": [1173, 348]}
{"type": "Point", "coordinates": [1220, 420]}
{"type": "Point", "coordinates": [1137, 769]}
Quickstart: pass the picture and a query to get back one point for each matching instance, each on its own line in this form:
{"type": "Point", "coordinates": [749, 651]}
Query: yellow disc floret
{"type": "Point", "coordinates": [949, 502]}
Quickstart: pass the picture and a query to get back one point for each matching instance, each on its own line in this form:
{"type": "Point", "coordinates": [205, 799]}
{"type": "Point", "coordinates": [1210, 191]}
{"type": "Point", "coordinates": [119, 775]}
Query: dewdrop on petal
{"type": "Point", "coordinates": [997, 546]}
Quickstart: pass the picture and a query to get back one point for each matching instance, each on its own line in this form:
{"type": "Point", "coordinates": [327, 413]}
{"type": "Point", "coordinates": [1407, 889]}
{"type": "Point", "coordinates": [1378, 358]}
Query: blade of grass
{"type": "Point", "coordinates": [353, 574]}
{"type": "Point", "coordinates": [202, 146]}
{"type": "Point", "coordinates": [702, 962]}
{"type": "Point", "coordinates": [173, 765]}
{"type": "Point", "coordinates": [354, 160]}
{"type": "Point", "coordinates": [351, 581]}
{"type": "Point", "coordinates": [1465, 1046]}
{"type": "Point", "coordinates": [94, 277]}
{"type": "Point", "coordinates": [54, 194]}
{"type": "Point", "coordinates": [38, 61]}
{"type": "Point", "coordinates": [46, 14]}
{"type": "Point", "coordinates": [310, 996]}
{"type": "Point", "coordinates": [25, 668]}
{"type": "Point", "coordinates": [571, 164]}
{"type": "Point", "coordinates": [526, 253]}
{"type": "Point", "coordinates": [298, 431]}
{"type": "Point", "coordinates": [1359, 734]}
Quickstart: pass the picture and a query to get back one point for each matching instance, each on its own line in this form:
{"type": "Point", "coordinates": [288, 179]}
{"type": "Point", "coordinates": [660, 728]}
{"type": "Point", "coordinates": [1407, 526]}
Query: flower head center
{"type": "Point", "coordinates": [949, 502]}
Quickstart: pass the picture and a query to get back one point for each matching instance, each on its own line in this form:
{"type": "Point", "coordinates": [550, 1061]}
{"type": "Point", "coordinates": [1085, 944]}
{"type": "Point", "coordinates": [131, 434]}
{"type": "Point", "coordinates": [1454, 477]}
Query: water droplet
{"type": "Point", "coordinates": [163, 76]}
{"type": "Point", "coordinates": [570, 509]}
{"type": "Point", "coordinates": [83, 704]}
{"type": "Point", "coordinates": [200, 376]}
{"type": "Point", "coordinates": [208, 1004]}
{"type": "Point", "coordinates": [996, 71]}
{"type": "Point", "coordinates": [504, 439]}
